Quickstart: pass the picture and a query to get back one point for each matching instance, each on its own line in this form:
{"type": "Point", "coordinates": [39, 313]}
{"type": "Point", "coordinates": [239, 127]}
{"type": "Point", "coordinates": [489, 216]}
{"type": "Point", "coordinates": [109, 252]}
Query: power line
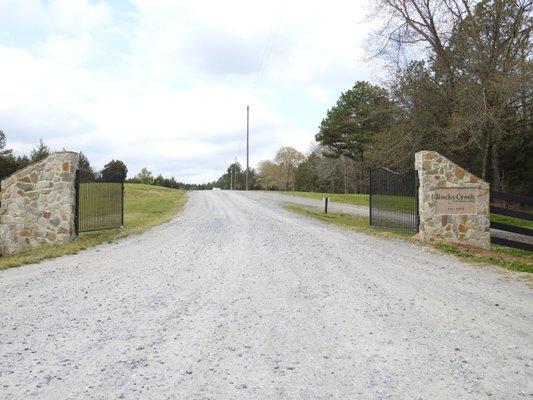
{"type": "Point", "coordinates": [269, 44]}
{"type": "Point", "coordinates": [265, 57]}
{"type": "Point", "coordinates": [263, 54]}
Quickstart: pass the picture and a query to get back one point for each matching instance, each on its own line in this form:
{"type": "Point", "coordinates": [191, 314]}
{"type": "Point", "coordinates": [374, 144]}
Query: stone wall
{"type": "Point", "coordinates": [38, 204]}
{"type": "Point", "coordinates": [453, 203]}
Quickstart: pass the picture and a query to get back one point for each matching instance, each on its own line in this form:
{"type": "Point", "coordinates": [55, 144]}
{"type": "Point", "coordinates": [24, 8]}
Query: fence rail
{"type": "Point", "coordinates": [514, 198]}
{"type": "Point", "coordinates": [511, 213]}
{"type": "Point", "coordinates": [514, 206]}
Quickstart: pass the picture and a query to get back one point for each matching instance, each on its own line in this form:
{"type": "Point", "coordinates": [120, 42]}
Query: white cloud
{"type": "Point", "coordinates": [166, 83]}
{"type": "Point", "coordinates": [78, 15]}
{"type": "Point", "coordinates": [56, 15]}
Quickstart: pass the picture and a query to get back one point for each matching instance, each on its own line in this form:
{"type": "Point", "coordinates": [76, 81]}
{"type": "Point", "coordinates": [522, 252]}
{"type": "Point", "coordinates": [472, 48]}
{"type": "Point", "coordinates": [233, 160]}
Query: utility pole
{"type": "Point", "coordinates": [247, 144]}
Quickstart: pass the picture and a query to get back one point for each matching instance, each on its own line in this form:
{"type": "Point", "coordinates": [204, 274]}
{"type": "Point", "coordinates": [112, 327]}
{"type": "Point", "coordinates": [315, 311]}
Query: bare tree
{"type": "Point", "coordinates": [269, 175]}
{"type": "Point", "coordinates": [478, 57]}
{"type": "Point", "coordinates": [288, 159]}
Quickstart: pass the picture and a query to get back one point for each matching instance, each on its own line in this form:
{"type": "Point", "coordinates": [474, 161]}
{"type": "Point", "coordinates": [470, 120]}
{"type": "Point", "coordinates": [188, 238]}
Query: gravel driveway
{"type": "Point", "coordinates": [239, 299]}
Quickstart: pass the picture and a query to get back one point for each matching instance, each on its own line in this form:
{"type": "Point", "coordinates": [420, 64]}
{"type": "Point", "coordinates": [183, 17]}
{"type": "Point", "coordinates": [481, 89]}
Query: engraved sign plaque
{"type": "Point", "coordinates": [455, 201]}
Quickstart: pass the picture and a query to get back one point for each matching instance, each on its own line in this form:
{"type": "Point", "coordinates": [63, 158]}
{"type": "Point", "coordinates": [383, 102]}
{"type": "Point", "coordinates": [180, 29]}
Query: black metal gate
{"type": "Point", "coordinates": [99, 205]}
{"type": "Point", "coordinates": [394, 199]}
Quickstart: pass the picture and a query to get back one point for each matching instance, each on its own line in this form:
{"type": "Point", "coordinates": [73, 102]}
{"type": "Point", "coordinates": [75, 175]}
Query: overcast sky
{"type": "Point", "coordinates": [165, 83]}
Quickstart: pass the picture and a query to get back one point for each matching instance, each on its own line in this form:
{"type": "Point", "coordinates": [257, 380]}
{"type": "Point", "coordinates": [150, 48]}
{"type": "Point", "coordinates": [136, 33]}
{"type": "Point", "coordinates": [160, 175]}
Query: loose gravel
{"type": "Point", "coordinates": [240, 299]}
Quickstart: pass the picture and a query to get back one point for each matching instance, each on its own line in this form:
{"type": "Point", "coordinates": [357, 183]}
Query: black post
{"type": "Point", "coordinates": [77, 203]}
{"type": "Point", "coordinates": [417, 186]}
{"type": "Point", "coordinates": [122, 217]}
{"type": "Point", "coordinates": [325, 205]}
{"type": "Point", "coordinates": [370, 197]}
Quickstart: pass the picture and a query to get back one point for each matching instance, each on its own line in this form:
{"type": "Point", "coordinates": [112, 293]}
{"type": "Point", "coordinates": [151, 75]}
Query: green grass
{"type": "Point", "coordinates": [513, 252]}
{"type": "Point", "coordinates": [506, 257]}
{"type": "Point", "coordinates": [400, 204]}
{"type": "Point", "coordinates": [350, 221]}
{"type": "Point", "coordinates": [144, 206]}
{"type": "Point", "coordinates": [511, 221]}
{"type": "Point", "coordinates": [513, 259]}
{"type": "Point", "coordinates": [355, 199]}
{"type": "Point", "coordinates": [395, 203]}
{"type": "Point", "coordinates": [392, 203]}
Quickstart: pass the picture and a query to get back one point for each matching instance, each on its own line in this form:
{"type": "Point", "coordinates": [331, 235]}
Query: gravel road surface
{"type": "Point", "coordinates": [239, 299]}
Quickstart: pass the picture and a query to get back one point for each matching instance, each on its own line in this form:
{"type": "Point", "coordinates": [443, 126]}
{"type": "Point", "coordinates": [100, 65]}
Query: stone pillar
{"type": "Point", "coordinates": [38, 204]}
{"type": "Point", "coordinates": [453, 203]}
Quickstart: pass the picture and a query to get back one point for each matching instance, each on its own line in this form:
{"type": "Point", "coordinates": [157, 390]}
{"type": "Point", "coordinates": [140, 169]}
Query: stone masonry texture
{"type": "Point", "coordinates": [435, 172]}
{"type": "Point", "coordinates": [38, 204]}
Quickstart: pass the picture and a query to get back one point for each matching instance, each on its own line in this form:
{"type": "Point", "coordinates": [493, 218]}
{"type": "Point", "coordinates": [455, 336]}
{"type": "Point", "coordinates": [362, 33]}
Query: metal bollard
{"type": "Point", "coordinates": [326, 200]}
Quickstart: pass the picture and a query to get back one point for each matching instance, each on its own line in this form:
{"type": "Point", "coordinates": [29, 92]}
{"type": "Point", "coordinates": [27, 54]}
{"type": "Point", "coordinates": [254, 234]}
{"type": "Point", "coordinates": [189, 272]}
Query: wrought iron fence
{"type": "Point", "coordinates": [394, 199]}
{"type": "Point", "coordinates": [99, 205]}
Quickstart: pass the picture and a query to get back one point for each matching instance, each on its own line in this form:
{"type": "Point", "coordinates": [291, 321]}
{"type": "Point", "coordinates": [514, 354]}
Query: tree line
{"type": "Point", "coordinates": [146, 177]}
{"type": "Point", "coordinates": [10, 163]}
{"type": "Point", "coordinates": [113, 171]}
{"type": "Point", "coordinates": [459, 82]}
{"type": "Point", "coordinates": [320, 170]}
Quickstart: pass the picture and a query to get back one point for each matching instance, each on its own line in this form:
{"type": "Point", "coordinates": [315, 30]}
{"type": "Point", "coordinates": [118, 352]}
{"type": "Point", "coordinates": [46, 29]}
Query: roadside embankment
{"type": "Point", "coordinates": [144, 207]}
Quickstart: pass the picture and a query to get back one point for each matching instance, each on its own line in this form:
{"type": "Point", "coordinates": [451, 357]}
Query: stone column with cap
{"type": "Point", "coordinates": [453, 203]}
{"type": "Point", "coordinates": [38, 204]}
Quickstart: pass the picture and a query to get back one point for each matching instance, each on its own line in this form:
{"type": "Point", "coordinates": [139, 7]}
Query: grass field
{"type": "Point", "coordinates": [355, 199]}
{"type": "Point", "coordinates": [350, 221]}
{"type": "Point", "coordinates": [391, 203]}
{"type": "Point", "coordinates": [503, 219]}
{"type": "Point", "coordinates": [395, 203]}
{"type": "Point", "coordinates": [144, 206]}
{"type": "Point", "coordinates": [506, 257]}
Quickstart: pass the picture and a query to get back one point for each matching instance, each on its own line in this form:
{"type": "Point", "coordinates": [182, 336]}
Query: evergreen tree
{"type": "Point", "coordinates": [351, 125]}
{"type": "Point", "coordinates": [114, 171]}
{"type": "Point", "coordinates": [87, 173]}
{"type": "Point", "coordinates": [40, 152]}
